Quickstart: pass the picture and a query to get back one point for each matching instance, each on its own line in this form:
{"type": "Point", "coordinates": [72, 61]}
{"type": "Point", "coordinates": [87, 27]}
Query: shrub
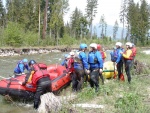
{"type": "Point", "coordinates": [13, 34]}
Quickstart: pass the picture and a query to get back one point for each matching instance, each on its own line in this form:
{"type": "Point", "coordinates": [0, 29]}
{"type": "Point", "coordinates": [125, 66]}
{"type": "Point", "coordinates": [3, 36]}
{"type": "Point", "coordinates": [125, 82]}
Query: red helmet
{"type": "Point", "coordinates": [98, 47]}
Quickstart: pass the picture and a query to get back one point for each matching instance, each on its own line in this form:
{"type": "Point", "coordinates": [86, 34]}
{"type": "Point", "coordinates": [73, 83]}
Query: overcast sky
{"type": "Point", "coordinates": [110, 9]}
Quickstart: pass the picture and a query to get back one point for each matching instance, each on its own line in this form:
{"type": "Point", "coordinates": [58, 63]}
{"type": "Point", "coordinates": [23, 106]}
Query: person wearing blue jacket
{"type": "Point", "coordinates": [80, 66]}
{"type": "Point", "coordinates": [96, 66]}
{"type": "Point", "coordinates": [21, 66]}
{"type": "Point", "coordinates": [64, 62]}
{"type": "Point", "coordinates": [119, 59]}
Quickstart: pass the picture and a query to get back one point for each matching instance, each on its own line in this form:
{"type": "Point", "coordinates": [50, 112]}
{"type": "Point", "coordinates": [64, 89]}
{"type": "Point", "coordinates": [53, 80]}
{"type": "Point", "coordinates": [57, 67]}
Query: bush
{"type": "Point", "coordinates": [13, 34]}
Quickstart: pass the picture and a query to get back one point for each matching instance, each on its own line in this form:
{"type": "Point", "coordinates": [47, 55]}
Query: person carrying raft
{"type": "Point", "coordinates": [96, 66]}
{"type": "Point", "coordinates": [39, 77]}
{"type": "Point", "coordinates": [21, 66]}
{"type": "Point", "coordinates": [64, 62]}
{"type": "Point", "coordinates": [80, 67]}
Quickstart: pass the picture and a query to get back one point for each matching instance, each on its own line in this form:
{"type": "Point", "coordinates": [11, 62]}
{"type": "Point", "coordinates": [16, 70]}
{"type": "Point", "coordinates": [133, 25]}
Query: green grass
{"type": "Point", "coordinates": [116, 96]}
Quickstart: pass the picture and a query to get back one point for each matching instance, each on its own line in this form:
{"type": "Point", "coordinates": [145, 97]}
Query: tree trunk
{"type": "Point", "coordinates": [39, 24]}
{"type": "Point", "coordinates": [122, 34]}
{"type": "Point", "coordinates": [45, 20]}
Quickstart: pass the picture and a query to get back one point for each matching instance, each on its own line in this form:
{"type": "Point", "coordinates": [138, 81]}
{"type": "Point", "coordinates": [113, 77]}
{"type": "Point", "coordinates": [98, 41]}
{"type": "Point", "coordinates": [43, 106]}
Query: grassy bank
{"type": "Point", "coordinates": [115, 96]}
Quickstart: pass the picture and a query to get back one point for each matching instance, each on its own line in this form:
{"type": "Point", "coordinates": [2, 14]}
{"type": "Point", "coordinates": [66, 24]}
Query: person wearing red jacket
{"type": "Point", "coordinates": [99, 48]}
{"type": "Point", "coordinates": [70, 62]}
{"type": "Point", "coordinates": [134, 50]}
{"type": "Point", "coordinates": [39, 77]}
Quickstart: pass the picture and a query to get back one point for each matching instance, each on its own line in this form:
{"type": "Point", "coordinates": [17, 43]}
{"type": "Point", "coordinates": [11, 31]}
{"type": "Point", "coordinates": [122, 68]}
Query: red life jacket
{"type": "Point", "coordinates": [40, 72]}
{"type": "Point", "coordinates": [134, 51]}
{"type": "Point", "coordinates": [70, 64]}
{"type": "Point", "coordinates": [103, 55]}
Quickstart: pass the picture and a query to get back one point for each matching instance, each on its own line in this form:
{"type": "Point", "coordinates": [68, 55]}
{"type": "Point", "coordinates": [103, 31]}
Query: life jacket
{"type": "Point", "coordinates": [40, 71]}
{"type": "Point", "coordinates": [78, 61]}
{"type": "Point", "coordinates": [114, 55]}
{"type": "Point", "coordinates": [70, 64]}
{"type": "Point", "coordinates": [130, 57]}
{"type": "Point", "coordinates": [103, 54]}
{"type": "Point", "coordinates": [134, 51]}
{"type": "Point", "coordinates": [92, 58]}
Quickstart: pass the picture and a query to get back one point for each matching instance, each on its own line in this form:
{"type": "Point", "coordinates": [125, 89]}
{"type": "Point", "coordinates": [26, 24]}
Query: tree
{"type": "Point", "coordinates": [2, 14]}
{"type": "Point", "coordinates": [123, 14]}
{"type": "Point", "coordinates": [115, 29]}
{"type": "Point", "coordinates": [91, 10]}
{"type": "Point", "coordinates": [57, 8]}
{"type": "Point", "coordinates": [45, 20]}
{"type": "Point", "coordinates": [103, 26]}
{"type": "Point", "coordinates": [75, 22]}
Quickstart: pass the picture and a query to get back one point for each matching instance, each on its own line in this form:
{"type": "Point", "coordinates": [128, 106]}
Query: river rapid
{"type": "Point", "coordinates": [7, 65]}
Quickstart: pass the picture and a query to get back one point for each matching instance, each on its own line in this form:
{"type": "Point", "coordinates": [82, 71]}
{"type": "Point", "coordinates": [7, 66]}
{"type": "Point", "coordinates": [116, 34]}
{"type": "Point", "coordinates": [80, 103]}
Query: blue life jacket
{"type": "Point", "coordinates": [95, 60]}
{"type": "Point", "coordinates": [80, 61]}
{"type": "Point", "coordinates": [20, 67]}
{"type": "Point", "coordinates": [116, 55]}
{"type": "Point", "coordinates": [113, 55]}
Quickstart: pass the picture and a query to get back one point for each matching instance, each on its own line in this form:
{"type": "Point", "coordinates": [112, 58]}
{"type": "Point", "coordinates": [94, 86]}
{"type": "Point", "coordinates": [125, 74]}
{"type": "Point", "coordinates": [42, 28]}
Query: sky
{"type": "Point", "coordinates": [110, 9]}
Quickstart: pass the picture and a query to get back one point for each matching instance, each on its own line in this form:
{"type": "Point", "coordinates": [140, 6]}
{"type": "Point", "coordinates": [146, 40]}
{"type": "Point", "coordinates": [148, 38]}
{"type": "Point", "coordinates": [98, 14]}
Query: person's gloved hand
{"type": "Point", "coordinates": [100, 71]}
{"type": "Point", "coordinates": [87, 71]}
{"type": "Point", "coordinates": [23, 83]}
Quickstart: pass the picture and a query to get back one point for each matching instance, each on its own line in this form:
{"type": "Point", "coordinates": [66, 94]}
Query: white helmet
{"type": "Point", "coordinates": [129, 44]}
{"type": "Point", "coordinates": [118, 44]}
{"type": "Point", "coordinates": [72, 53]}
{"type": "Point", "coordinates": [93, 45]}
{"type": "Point", "coordinates": [68, 56]}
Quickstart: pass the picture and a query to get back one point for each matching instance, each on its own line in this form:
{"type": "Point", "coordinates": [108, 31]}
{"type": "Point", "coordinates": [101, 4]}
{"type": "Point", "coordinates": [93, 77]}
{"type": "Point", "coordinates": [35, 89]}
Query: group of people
{"type": "Point", "coordinates": [122, 56]}
{"type": "Point", "coordinates": [37, 75]}
{"type": "Point", "coordinates": [80, 66]}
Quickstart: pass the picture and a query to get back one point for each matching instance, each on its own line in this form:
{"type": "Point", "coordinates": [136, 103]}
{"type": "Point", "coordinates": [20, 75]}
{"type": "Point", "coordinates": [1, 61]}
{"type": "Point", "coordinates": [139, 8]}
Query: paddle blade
{"type": "Point", "coordinates": [122, 77]}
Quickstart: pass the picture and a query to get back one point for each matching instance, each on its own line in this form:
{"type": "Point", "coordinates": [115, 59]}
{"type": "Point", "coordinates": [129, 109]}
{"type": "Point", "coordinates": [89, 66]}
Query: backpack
{"type": "Point", "coordinates": [114, 55]}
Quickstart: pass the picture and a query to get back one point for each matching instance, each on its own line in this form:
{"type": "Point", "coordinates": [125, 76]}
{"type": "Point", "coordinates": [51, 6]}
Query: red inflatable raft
{"type": "Point", "coordinates": [58, 75]}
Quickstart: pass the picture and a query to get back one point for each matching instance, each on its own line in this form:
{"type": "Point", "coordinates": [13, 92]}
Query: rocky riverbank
{"type": "Point", "coordinates": [29, 51]}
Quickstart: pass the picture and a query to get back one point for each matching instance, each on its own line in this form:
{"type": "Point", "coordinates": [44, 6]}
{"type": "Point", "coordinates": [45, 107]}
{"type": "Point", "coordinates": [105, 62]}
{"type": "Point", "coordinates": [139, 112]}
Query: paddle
{"type": "Point", "coordinates": [122, 76]}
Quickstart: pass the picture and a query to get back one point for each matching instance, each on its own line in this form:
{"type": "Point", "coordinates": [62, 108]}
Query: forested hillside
{"type": "Point", "coordinates": [41, 23]}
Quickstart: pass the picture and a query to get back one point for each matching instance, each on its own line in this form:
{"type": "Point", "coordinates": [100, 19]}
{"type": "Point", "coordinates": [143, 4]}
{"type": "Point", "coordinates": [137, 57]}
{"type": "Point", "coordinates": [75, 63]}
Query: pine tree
{"type": "Point", "coordinates": [123, 14]}
{"type": "Point", "coordinates": [102, 25]}
{"type": "Point", "coordinates": [91, 10]}
{"type": "Point", "coordinates": [2, 15]}
{"type": "Point", "coordinates": [115, 29]}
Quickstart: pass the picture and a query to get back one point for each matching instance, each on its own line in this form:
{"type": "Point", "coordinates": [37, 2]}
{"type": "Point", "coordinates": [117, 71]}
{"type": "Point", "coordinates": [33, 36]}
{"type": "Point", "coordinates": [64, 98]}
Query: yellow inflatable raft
{"type": "Point", "coordinates": [108, 69]}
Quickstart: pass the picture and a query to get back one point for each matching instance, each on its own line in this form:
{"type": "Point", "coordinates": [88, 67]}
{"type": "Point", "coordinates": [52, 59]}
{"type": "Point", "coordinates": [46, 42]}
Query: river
{"type": "Point", "coordinates": [8, 64]}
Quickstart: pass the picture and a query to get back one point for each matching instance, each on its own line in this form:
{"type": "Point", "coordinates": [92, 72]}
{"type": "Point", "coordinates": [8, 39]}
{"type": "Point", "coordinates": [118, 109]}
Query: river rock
{"type": "Point", "coordinates": [49, 103]}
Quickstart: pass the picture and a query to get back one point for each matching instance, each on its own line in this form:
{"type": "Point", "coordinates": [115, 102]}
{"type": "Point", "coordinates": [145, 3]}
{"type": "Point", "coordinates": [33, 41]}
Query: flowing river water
{"type": "Point", "coordinates": [7, 65]}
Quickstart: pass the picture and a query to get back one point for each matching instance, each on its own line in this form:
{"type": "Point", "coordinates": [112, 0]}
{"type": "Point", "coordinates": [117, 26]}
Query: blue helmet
{"type": "Point", "coordinates": [31, 62]}
{"type": "Point", "coordinates": [83, 46]}
{"type": "Point", "coordinates": [25, 60]}
{"type": "Point", "coordinates": [66, 55]}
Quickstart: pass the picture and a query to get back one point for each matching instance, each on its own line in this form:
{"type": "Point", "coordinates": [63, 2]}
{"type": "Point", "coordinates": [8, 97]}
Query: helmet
{"type": "Point", "coordinates": [98, 47]}
{"type": "Point", "coordinates": [66, 55]}
{"type": "Point", "coordinates": [25, 60]}
{"type": "Point", "coordinates": [31, 62]}
{"type": "Point", "coordinates": [72, 53]}
{"type": "Point", "coordinates": [83, 46]}
{"type": "Point", "coordinates": [129, 44]}
{"type": "Point", "coordinates": [133, 45]}
{"type": "Point", "coordinates": [118, 44]}
{"type": "Point", "coordinates": [93, 45]}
